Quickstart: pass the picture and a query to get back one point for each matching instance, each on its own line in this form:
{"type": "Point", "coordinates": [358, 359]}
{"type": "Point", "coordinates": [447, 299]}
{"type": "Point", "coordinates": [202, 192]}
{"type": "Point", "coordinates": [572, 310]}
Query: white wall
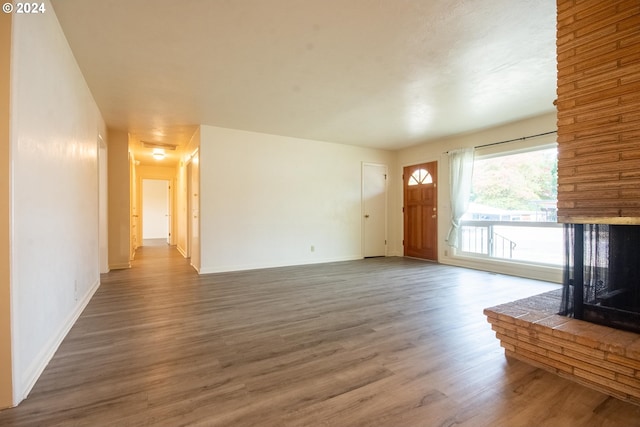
{"type": "Point", "coordinates": [266, 199]}
{"type": "Point", "coordinates": [436, 151]}
{"type": "Point", "coordinates": [54, 131]}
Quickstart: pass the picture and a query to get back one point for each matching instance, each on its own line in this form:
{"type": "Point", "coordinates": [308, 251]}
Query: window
{"type": "Point", "coordinates": [421, 176]}
{"type": "Point", "coordinates": [512, 212]}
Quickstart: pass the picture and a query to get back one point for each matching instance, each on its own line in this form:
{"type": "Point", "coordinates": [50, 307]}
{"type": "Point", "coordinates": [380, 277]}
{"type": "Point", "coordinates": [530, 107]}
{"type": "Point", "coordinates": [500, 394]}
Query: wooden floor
{"type": "Point", "coordinates": [362, 343]}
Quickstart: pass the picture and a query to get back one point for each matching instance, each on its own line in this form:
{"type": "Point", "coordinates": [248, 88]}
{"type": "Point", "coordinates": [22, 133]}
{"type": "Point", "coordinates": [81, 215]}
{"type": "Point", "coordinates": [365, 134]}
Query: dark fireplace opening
{"type": "Point", "coordinates": [602, 274]}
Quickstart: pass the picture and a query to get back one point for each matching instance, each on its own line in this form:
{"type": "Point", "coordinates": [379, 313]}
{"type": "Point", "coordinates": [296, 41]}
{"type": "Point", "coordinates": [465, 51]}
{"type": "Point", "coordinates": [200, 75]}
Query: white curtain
{"type": "Point", "coordinates": [460, 175]}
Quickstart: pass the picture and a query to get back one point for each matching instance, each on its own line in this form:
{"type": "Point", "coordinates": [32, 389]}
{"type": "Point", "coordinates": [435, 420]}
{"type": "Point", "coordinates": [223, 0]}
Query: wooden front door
{"type": "Point", "coordinates": [420, 211]}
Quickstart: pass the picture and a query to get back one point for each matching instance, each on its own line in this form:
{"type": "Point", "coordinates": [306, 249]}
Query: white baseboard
{"type": "Point", "coordinates": [49, 350]}
{"type": "Point", "coordinates": [120, 266]}
{"type": "Point", "coordinates": [182, 251]}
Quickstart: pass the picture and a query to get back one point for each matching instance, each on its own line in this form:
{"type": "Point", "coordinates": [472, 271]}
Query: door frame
{"type": "Point", "coordinates": [158, 174]}
{"type": "Point", "coordinates": [386, 206]}
{"type": "Point", "coordinates": [438, 202]}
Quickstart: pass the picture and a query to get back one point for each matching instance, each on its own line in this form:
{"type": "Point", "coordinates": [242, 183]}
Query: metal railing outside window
{"type": "Point", "coordinates": [526, 241]}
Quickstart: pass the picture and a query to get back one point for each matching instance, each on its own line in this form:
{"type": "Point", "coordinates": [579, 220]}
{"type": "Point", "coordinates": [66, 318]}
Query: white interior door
{"type": "Point", "coordinates": [155, 209]}
{"type": "Point", "coordinates": [188, 212]}
{"type": "Point", "coordinates": [169, 218]}
{"type": "Point", "coordinates": [194, 204]}
{"type": "Point", "coordinates": [103, 209]}
{"type": "Point", "coordinates": [374, 209]}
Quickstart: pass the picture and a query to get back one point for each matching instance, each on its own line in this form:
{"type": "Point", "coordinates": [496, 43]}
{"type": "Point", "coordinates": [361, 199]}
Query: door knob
{"type": "Point", "coordinates": [366, 216]}
{"type": "Point", "coordinates": [433, 216]}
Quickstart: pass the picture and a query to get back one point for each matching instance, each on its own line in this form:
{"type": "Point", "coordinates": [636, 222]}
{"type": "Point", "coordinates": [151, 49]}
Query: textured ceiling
{"type": "Point", "coordinates": [378, 73]}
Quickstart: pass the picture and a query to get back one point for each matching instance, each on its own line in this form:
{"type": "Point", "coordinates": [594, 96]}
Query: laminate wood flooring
{"type": "Point", "coordinates": [375, 342]}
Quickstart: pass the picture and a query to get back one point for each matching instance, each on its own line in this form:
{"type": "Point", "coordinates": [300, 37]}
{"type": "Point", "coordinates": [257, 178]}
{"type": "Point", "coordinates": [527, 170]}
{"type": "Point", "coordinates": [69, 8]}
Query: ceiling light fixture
{"type": "Point", "coordinates": [158, 153]}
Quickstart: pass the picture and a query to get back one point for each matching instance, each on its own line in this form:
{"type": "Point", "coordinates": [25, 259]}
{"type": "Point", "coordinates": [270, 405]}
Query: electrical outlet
{"type": "Point", "coordinates": [446, 252]}
{"type": "Point", "coordinates": [313, 248]}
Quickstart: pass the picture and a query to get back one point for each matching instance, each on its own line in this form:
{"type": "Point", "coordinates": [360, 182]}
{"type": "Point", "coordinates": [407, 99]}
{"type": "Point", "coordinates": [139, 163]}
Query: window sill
{"type": "Point", "coordinates": [548, 273]}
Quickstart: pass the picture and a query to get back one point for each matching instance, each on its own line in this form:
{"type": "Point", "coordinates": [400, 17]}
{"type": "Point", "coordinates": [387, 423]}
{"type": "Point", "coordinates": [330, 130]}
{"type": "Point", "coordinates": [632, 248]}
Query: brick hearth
{"type": "Point", "coordinates": [599, 357]}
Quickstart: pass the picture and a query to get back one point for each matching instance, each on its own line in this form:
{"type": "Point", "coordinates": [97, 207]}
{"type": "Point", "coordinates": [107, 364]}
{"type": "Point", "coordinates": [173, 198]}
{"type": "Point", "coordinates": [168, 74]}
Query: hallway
{"type": "Point", "coordinates": [368, 342]}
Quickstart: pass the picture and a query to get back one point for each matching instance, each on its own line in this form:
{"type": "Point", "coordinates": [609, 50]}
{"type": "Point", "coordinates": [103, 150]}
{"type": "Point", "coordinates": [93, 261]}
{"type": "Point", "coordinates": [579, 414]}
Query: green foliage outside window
{"type": "Point", "coordinates": [516, 182]}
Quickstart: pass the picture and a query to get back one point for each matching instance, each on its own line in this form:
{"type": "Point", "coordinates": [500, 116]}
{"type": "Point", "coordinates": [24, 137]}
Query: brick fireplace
{"type": "Point", "coordinates": [598, 51]}
{"type": "Point", "coordinates": [599, 357]}
{"type": "Point", "coordinates": [598, 106]}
